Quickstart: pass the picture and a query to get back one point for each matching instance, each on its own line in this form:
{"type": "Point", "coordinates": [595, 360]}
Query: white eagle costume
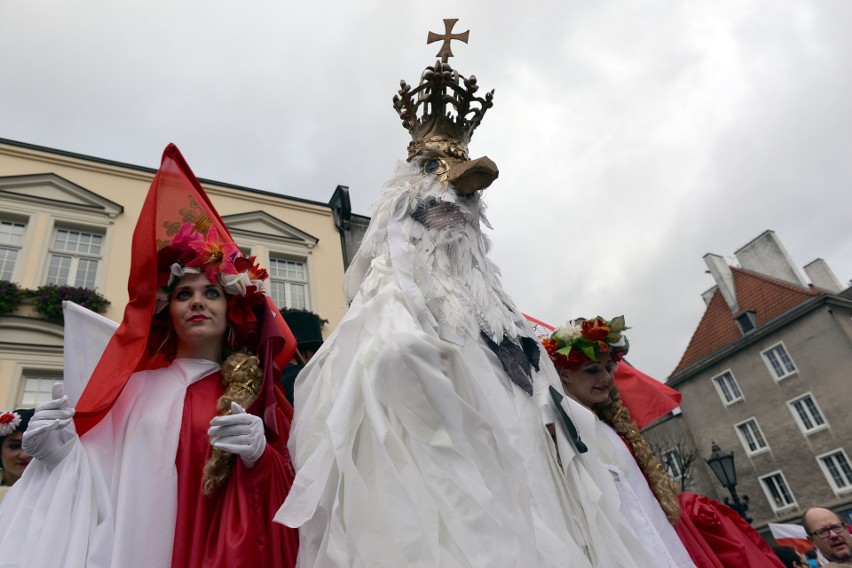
{"type": "Point", "coordinates": [420, 433]}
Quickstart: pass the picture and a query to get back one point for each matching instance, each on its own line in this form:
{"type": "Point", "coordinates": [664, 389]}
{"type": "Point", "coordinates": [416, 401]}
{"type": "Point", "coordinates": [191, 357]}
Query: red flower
{"type": "Point", "coordinates": [549, 346]}
{"type": "Point", "coordinates": [6, 418]}
{"type": "Point", "coordinates": [214, 256]}
{"type": "Point", "coordinates": [575, 359]}
{"type": "Point", "coordinates": [572, 361]}
{"type": "Point", "coordinates": [186, 235]}
{"type": "Point", "coordinates": [595, 330]}
{"type": "Point", "coordinates": [253, 270]}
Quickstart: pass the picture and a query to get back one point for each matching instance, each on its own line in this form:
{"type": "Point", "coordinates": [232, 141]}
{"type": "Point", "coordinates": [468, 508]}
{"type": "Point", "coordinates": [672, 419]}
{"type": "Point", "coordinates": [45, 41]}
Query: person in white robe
{"type": "Point", "coordinates": [420, 435]}
{"type": "Point", "coordinates": [586, 353]}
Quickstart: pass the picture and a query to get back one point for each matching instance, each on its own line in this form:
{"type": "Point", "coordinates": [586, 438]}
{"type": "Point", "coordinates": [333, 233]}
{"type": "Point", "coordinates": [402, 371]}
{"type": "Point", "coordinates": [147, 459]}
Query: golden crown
{"type": "Point", "coordinates": [443, 110]}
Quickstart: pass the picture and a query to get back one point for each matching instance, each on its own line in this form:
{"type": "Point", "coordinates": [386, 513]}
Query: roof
{"type": "Point", "coordinates": [153, 171]}
{"type": "Point", "coordinates": [767, 297]}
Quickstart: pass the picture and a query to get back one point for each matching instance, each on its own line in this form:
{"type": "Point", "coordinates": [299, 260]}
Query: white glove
{"type": "Point", "coordinates": [50, 429]}
{"type": "Point", "coordinates": [239, 433]}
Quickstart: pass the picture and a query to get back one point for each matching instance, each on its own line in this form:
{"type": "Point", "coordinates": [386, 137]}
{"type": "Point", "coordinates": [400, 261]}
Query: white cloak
{"type": "Point", "coordinates": [641, 508]}
{"type": "Point", "coordinates": [412, 446]}
{"type": "Point", "coordinates": [110, 498]}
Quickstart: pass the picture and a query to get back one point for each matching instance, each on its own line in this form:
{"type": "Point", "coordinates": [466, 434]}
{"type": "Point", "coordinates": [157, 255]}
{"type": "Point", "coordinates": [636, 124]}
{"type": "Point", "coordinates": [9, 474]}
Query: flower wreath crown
{"type": "Point", "coordinates": [221, 261]}
{"type": "Point", "coordinates": [9, 422]}
{"type": "Point", "coordinates": [583, 340]}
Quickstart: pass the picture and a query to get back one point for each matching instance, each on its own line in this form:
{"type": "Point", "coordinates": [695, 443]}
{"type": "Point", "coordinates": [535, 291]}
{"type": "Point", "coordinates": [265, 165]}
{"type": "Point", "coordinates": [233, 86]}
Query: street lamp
{"type": "Point", "coordinates": [723, 466]}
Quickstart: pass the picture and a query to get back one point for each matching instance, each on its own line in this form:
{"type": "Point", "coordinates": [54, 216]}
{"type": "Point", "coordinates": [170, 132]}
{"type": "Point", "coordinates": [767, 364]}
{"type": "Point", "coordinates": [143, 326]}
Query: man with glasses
{"type": "Point", "coordinates": [829, 535]}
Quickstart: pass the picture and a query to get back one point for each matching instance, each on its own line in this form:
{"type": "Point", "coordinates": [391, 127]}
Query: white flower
{"type": "Point", "coordinates": [569, 332]}
{"type": "Point", "coordinates": [234, 284]}
{"type": "Point", "coordinates": [179, 272]}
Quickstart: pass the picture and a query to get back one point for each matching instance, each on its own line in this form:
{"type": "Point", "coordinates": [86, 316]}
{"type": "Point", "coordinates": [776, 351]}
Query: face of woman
{"type": "Point", "coordinates": [198, 311]}
{"type": "Point", "coordinates": [13, 457]}
{"type": "Point", "coordinates": [591, 382]}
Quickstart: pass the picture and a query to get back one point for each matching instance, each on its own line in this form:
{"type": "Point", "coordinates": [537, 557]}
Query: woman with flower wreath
{"type": "Point", "coordinates": [13, 458]}
{"type": "Point", "coordinates": [586, 353]}
{"type": "Point", "coordinates": [176, 452]}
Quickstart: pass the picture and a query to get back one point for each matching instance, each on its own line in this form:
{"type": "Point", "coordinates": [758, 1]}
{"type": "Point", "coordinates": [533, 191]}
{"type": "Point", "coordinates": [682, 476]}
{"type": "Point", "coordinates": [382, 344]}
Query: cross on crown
{"type": "Point", "coordinates": [443, 109]}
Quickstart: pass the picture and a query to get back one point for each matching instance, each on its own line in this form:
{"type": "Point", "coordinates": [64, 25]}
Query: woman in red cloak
{"type": "Point", "coordinates": [176, 455]}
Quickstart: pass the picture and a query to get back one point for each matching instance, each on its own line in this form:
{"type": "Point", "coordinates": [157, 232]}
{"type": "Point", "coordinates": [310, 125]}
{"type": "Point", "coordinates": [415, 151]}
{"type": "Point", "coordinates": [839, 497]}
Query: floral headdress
{"type": "Point", "coordinates": [9, 422]}
{"type": "Point", "coordinates": [14, 421]}
{"type": "Point", "coordinates": [584, 340]}
{"type": "Point", "coordinates": [222, 262]}
{"type": "Point", "coordinates": [190, 252]}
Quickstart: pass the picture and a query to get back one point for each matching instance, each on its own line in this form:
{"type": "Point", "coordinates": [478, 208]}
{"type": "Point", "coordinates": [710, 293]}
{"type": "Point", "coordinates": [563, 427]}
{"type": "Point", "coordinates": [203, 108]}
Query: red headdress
{"type": "Point", "coordinates": [584, 340]}
{"type": "Point", "coordinates": [178, 226]}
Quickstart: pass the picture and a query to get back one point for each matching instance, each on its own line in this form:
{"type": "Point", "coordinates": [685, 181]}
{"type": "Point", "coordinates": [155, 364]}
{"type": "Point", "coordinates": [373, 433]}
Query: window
{"type": "Point", "coordinates": [288, 284]}
{"type": "Point", "coordinates": [747, 321]}
{"type": "Point", "coordinates": [777, 491]}
{"type": "Point", "coordinates": [728, 388]}
{"type": "Point", "coordinates": [673, 462]}
{"type": "Point", "coordinates": [807, 414]}
{"type": "Point", "coordinates": [751, 437]}
{"type": "Point", "coordinates": [11, 238]}
{"type": "Point", "coordinates": [74, 258]}
{"type": "Point", "coordinates": [779, 361]}
{"type": "Point", "coordinates": [835, 466]}
{"type": "Point", "coordinates": [36, 388]}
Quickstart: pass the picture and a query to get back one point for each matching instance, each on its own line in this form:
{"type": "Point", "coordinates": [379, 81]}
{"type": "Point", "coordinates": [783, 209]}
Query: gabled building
{"type": "Point", "coordinates": [67, 219]}
{"type": "Point", "coordinates": [768, 374]}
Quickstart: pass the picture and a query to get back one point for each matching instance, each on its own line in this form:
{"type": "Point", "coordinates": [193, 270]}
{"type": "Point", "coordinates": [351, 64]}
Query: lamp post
{"type": "Point", "coordinates": [722, 465]}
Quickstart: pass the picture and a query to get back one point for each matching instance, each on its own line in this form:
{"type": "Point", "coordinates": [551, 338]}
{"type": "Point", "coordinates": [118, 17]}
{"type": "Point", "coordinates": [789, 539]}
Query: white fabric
{"type": "Point", "coordinates": [412, 446]}
{"type": "Point", "coordinates": [641, 509]}
{"type": "Point", "coordinates": [113, 500]}
{"type": "Point", "coordinates": [86, 337]}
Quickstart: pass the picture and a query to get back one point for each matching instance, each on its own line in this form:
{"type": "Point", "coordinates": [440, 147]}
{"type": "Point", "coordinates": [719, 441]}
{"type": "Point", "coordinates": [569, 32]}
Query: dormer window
{"type": "Point", "coordinates": [747, 321]}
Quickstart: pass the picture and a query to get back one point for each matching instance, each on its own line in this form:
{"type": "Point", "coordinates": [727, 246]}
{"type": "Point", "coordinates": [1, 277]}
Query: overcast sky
{"type": "Point", "coordinates": [632, 137]}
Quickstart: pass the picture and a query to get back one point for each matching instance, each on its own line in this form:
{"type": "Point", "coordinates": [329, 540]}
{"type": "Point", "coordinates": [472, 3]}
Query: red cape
{"type": "Point", "coordinates": [717, 537]}
{"type": "Point", "coordinates": [232, 528]}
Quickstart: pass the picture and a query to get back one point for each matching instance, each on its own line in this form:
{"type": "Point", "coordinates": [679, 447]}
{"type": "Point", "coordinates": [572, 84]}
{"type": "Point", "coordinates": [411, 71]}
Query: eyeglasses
{"type": "Point", "coordinates": [823, 532]}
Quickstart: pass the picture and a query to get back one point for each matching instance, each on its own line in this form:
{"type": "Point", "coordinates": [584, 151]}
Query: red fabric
{"type": "Point", "coordinates": [717, 537]}
{"type": "Point", "coordinates": [801, 545]}
{"type": "Point", "coordinates": [646, 398]}
{"type": "Point", "coordinates": [175, 197]}
{"type": "Point", "coordinates": [233, 528]}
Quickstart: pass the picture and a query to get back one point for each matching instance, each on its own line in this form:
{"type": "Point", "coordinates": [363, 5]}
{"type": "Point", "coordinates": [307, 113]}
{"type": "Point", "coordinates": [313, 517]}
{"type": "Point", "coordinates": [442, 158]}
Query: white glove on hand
{"type": "Point", "coordinates": [239, 433]}
{"type": "Point", "coordinates": [50, 428]}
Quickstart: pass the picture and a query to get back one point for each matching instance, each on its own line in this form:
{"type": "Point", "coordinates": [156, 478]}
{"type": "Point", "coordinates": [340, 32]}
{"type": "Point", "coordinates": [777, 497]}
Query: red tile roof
{"type": "Point", "coordinates": [766, 296]}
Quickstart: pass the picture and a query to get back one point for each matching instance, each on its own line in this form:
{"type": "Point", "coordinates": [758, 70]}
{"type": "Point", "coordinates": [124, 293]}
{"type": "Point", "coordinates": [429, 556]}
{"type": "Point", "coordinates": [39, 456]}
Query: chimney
{"type": "Point", "coordinates": [822, 276]}
{"type": "Point", "coordinates": [766, 255]}
{"type": "Point", "coordinates": [708, 295]}
{"type": "Point", "coordinates": [724, 279]}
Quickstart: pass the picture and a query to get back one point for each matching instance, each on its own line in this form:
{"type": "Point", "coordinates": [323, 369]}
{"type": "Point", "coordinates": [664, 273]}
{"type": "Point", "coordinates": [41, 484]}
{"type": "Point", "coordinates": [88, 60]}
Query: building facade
{"type": "Point", "coordinates": [68, 219]}
{"type": "Point", "coordinates": [768, 374]}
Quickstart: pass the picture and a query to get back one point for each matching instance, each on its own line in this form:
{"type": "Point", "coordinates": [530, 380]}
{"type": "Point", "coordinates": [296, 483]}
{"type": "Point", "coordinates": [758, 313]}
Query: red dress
{"type": "Point", "coordinates": [232, 528]}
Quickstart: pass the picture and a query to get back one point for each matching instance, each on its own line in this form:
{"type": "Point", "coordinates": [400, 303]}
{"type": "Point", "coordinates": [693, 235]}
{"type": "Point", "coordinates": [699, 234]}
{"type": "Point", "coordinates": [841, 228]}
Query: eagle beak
{"type": "Point", "coordinates": [473, 175]}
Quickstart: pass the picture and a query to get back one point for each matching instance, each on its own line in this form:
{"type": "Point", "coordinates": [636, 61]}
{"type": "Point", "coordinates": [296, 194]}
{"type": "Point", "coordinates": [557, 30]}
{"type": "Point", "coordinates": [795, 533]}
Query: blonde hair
{"type": "Point", "coordinates": [614, 413]}
{"type": "Point", "coordinates": [241, 376]}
